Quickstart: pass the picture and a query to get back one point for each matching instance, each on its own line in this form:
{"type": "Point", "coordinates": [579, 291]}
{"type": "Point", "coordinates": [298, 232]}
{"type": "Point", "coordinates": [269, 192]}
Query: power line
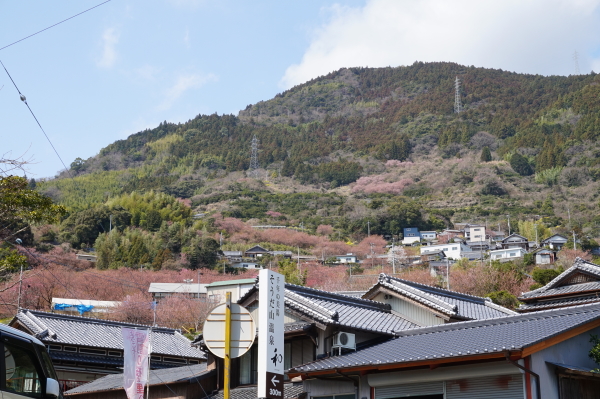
{"type": "Point", "coordinates": [36, 119]}
{"type": "Point", "coordinates": [52, 26]}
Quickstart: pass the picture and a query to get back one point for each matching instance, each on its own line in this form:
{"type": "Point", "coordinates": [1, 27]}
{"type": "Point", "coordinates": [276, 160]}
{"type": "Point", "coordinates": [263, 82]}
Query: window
{"type": "Point", "coordinates": [22, 375]}
{"type": "Point", "coordinates": [512, 254]}
{"type": "Point", "coordinates": [454, 248]}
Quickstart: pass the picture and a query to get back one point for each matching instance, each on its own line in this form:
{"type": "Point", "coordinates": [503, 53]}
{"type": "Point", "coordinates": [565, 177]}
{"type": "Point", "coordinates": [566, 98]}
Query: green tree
{"type": "Point", "coordinates": [594, 353]}
{"type": "Point", "coordinates": [504, 298]}
{"type": "Point", "coordinates": [21, 206]}
{"type": "Point", "coordinates": [520, 165]}
{"type": "Point", "coordinates": [486, 155]}
{"type": "Point", "coordinates": [292, 275]}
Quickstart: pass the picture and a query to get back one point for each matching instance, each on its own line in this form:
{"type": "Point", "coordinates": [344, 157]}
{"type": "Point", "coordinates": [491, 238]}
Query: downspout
{"type": "Point", "coordinates": [537, 377]}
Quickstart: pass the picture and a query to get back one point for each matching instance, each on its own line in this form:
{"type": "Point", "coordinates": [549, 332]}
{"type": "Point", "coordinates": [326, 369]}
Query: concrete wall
{"type": "Point", "coordinates": [573, 352]}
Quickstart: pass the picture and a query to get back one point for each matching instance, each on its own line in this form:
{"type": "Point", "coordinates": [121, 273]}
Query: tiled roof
{"type": "Point", "coordinates": [290, 391]}
{"type": "Point", "coordinates": [296, 326]}
{"type": "Point", "coordinates": [84, 331]}
{"type": "Point", "coordinates": [554, 288]}
{"type": "Point", "coordinates": [450, 303]}
{"type": "Point", "coordinates": [157, 377]}
{"type": "Point", "coordinates": [463, 339]}
{"type": "Point", "coordinates": [542, 305]}
{"type": "Point", "coordinates": [342, 310]}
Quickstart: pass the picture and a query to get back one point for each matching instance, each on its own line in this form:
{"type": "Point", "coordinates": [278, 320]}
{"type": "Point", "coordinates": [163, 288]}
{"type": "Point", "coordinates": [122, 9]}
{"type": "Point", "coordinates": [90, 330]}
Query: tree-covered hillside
{"type": "Point", "coordinates": [523, 145]}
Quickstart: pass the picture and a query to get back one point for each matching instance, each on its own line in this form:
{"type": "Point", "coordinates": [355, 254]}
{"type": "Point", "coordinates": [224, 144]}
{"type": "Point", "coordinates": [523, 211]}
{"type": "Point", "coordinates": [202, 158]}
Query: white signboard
{"type": "Point", "coordinates": [271, 298]}
{"type": "Point", "coordinates": [136, 346]}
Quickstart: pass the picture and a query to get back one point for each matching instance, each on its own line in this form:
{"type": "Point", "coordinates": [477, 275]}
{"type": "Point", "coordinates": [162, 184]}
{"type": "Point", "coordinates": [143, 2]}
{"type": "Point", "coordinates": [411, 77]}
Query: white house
{"type": "Point", "coordinates": [216, 291]}
{"type": "Point", "coordinates": [428, 235]}
{"type": "Point", "coordinates": [475, 232]}
{"type": "Point", "coordinates": [165, 290]}
{"type": "Point", "coordinates": [451, 249]}
{"type": "Point", "coordinates": [507, 254]}
{"type": "Point", "coordinates": [348, 258]}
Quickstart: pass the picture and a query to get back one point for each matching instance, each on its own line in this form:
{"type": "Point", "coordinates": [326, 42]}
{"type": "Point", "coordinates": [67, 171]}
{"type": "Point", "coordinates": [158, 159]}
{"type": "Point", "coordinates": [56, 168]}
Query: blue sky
{"type": "Point", "coordinates": [130, 64]}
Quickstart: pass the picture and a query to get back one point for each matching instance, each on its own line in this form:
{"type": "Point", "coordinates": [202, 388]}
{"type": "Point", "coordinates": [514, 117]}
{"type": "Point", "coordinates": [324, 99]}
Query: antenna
{"type": "Point", "coordinates": [457, 104]}
{"type": "Point", "coordinates": [254, 158]}
{"type": "Point", "coordinates": [576, 60]}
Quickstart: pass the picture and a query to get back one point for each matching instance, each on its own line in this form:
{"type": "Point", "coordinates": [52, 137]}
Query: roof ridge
{"type": "Point", "coordinates": [357, 301]}
{"type": "Point", "coordinates": [444, 290]}
{"type": "Point", "coordinates": [421, 296]}
{"type": "Point", "coordinates": [95, 321]}
{"type": "Point", "coordinates": [314, 308]}
{"type": "Point", "coordinates": [578, 264]}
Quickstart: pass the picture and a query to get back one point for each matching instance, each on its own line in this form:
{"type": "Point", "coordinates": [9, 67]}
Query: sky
{"type": "Point", "coordinates": [128, 65]}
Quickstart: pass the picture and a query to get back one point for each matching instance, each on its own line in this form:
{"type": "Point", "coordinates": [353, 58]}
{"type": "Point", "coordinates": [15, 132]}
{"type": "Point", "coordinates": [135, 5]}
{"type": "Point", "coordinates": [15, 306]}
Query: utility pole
{"type": "Point", "coordinates": [508, 218]}
{"type": "Point", "coordinates": [393, 258]}
{"type": "Point", "coordinates": [368, 228]}
{"type": "Point", "coordinates": [20, 286]}
{"type": "Point", "coordinates": [574, 241]}
{"type": "Point", "coordinates": [371, 245]}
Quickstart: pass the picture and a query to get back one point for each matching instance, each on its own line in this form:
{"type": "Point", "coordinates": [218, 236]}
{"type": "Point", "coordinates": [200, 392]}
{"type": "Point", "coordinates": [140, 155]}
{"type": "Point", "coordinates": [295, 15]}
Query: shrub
{"type": "Point", "coordinates": [504, 298]}
{"type": "Point", "coordinates": [544, 276]}
{"type": "Point", "coordinates": [486, 155]}
{"type": "Point", "coordinates": [520, 165]}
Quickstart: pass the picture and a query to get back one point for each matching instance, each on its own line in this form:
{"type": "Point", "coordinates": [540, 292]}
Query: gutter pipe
{"type": "Point", "coordinates": [528, 371]}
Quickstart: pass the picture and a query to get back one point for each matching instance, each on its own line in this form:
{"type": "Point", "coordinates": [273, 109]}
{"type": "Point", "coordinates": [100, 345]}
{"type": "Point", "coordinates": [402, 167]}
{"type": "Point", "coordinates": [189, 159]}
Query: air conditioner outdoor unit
{"type": "Point", "coordinates": [344, 340]}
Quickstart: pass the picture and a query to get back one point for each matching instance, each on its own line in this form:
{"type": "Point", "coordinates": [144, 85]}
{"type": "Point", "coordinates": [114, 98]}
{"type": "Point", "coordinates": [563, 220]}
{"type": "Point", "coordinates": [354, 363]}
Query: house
{"type": "Point", "coordinates": [433, 256]}
{"type": "Point", "coordinates": [515, 241]}
{"type": "Point", "coordinates": [427, 305]}
{"type": "Point", "coordinates": [475, 232]}
{"type": "Point", "coordinates": [85, 349]}
{"type": "Point", "coordinates": [544, 256]}
{"type": "Point", "coordinates": [555, 242]}
{"type": "Point", "coordinates": [187, 382]}
{"type": "Point", "coordinates": [428, 235]}
{"type": "Point", "coordinates": [256, 252]}
{"type": "Point", "coordinates": [345, 259]}
{"type": "Point", "coordinates": [496, 236]}
{"type": "Point", "coordinates": [246, 265]}
{"type": "Point", "coordinates": [216, 291]}
{"type": "Point", "coordinates": [315, 320]}
{"type": "Point", "coordinates": [165, 290]}
{"type": "Point", "coordinates": [452, 250]}
{"type": "Point", "coordinates": [473, 255]}
{"type": "Point", "coordinates": [577, 285]}
{"type": "Point", "coordinates": [478, 245]}
{"type": "Point", "coordinates": [505, 255]}
{"type": "Point", "coordinates": [98, 309]}
{"type": "Point", "coordinates": [411, 235]}
{"type": "Point", "coordinates": [233, 256]}
{"type": "Point", "coordinates": [519, 356]}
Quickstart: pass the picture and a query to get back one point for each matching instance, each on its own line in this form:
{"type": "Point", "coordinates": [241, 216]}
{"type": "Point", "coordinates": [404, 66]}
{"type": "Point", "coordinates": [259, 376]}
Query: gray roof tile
{"type": "Point", "coordinates": [542, 305]}
{"type": "Point", "coordinates": [84, 331]}
{"type": "Point", "coordinates": [290, 391]}
{"type": "Point", "coordinates": [450, 303]}
{"type": "Point", "coordinates": [554, 288]}
{"type": "Point", "coordinates": [463, 339]}
{"type": "Point", "coordinates": [343, 310]}
{"type": "Point", "coordinates": [157, 377]}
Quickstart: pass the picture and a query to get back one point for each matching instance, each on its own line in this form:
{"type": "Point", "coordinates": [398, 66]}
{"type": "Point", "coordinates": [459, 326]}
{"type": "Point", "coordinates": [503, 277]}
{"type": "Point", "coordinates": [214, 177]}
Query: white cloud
{"type": "Point", "coordinates": [535, 36]}
{"type": "Point", "coordinates": [110, 38]}
{"type": "Point", "coordinates": [184, 83]}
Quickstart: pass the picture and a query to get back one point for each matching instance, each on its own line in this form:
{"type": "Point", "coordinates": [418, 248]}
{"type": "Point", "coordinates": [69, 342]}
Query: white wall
{"type": "Point", "coordinates": [412, 312]}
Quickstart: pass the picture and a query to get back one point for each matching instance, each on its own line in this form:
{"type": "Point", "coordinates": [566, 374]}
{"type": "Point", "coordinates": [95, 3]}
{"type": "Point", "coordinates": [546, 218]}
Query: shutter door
{"type": "Point", "coordinates": [408, 390]}
{"type": "Point", "coordinates": [496, 387]}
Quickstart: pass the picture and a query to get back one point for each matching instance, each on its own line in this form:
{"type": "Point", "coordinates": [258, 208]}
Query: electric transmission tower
{"type": "Point", "coordinates": [254, 158]}
{"type": "Point", "coordinates": [457, 103]}
{"type": "Point", "coordinates": [576, 59]}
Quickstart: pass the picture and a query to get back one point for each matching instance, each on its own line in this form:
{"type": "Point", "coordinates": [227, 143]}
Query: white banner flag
{"type": "Point", "coordinates": [136, 345]}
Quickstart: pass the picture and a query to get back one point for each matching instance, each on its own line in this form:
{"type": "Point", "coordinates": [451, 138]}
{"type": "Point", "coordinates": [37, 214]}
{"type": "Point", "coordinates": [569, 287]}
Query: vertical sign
{"type": "Point", "coordinates": [136, 346]}
{"type": "Point", "coordinates": [271, 293]}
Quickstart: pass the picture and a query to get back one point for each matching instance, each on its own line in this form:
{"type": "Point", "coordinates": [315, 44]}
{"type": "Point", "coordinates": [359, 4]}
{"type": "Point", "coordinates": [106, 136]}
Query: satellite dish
{"type": "Point", "coordinates": [243, 330]}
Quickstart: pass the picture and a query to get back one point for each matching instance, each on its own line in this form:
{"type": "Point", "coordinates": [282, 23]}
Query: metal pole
{"type": "Point", "coordinates": [227, 357]}
{"type": "Point", "coordinates": [447, 273]}
{"type": "Point", "coordinates": [20, 285]}
{"type": "Point", "coordinates": [574, 242]}
{"type": "Point", "coordinates": [393, 258]}
{"type": "Point", "coordinates": [368, 228]}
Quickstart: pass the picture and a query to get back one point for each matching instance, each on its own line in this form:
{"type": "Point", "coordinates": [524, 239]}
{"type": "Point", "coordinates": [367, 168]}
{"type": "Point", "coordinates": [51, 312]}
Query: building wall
{"type": "Point", "coordinates": [413, 312]}
{"type": "Point", "coordinates": [573, 352]}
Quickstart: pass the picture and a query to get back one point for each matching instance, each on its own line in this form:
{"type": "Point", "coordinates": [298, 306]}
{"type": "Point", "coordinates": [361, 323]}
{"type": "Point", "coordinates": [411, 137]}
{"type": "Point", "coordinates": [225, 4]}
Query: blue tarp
{"type": "Point", "coordinates": [80, 308]}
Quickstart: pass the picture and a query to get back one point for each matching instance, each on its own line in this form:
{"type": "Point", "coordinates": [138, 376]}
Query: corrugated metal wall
{"type": "Point", "coordinates": [496, 387]}
{"type": "Point", "coordinates": [407, 390]}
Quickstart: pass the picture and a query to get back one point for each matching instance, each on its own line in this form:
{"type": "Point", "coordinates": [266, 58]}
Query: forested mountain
{"type": "Point", "coordinates": [341, 150]}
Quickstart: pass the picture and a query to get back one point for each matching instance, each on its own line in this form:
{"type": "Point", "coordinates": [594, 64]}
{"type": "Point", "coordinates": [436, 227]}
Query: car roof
{"type": "Point", "coordinates": [9, 330]}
